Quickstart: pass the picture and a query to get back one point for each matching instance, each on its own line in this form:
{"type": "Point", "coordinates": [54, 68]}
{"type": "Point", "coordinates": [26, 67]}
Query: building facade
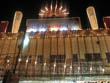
{"type": "Point", "coordinates": [72, 55]}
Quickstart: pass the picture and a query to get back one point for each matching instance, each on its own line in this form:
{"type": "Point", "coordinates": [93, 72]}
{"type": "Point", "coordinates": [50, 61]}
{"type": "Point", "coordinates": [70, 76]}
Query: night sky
{"type": "Point", "coordinates": [30, 9]}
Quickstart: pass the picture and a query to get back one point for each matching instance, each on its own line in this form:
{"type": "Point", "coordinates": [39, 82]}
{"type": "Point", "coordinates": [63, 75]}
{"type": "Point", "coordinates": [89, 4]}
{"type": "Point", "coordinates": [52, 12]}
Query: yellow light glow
{"type": "Point", "coordinates": [64, 65]}
{"type": "Point", "coordinates": [42, 11]}
{"type": "Point", "coordinates": [70, 67]}
{"type": "Point", "coordinates": [55, 65]}
{"type": "Point", "coordinates": [27, 61]}
{"type": "Point", "coordinates": [60, 8]}
{"type": "Point", "coordinates": [19, 59]}
{"type": "Point", "coordinates": [78, 68]}
{"type": "Point", "coordinates": [51, 7]}
{"type": "Point", "coordinates": [103, 70]}
{"type": "Point", "coordinates": [66, 13]}
{"type": "Point", "coordinates": [46, 8]}
{"type": "Point", "coordinates": [56, 7]}
{"type": "Point", "coordinates": [64, 10]}
{"type": "Point", "coordinates": [54, 29]}
{"type": "Point", "coordinates": [90, 68]}
{"type": "Point", "coordinates": [45, 64]}
{"type": "Point", "coordinates": [35, 62]}
{"type": "Point", "coordinates": [41, 14]}
{"type": "Point", "coordinates": [8, 61]}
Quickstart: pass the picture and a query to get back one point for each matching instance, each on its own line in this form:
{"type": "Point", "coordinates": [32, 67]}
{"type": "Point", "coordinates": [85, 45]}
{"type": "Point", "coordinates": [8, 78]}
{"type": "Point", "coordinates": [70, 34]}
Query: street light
{"type": "Point", "coordinates": [24, 43]}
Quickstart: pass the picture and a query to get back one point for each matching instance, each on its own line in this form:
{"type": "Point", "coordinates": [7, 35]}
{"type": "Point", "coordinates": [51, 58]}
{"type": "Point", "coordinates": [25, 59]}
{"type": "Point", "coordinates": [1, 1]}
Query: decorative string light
{"type": "Point", "coordinates": [27, 61]}
{"type": "Point", "coordinates": [54, 10]}
{"type": "Point", "coordinates": [35, 62]}
{"type": "Point", "coordinates": [8, 61]}
{"type": "Point", "coordinates": [55, 65]}
{"type": "Point", "coordinates": [103, 70]}
{"type": "Point", "coordinates": [90, 68]}
{"type": "Point", "coordinates": [64, 65]}
{"type": "Point", "coordinates": [19, 59]}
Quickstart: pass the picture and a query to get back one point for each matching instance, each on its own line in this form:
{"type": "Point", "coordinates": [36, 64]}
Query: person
{"type": "Point", "coordinates": [10, 77]}
{"type": "Point", "coordinates": [7, 76]}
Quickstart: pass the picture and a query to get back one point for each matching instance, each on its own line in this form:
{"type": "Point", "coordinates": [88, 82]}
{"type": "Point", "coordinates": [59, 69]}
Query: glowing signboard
{"type": "Point", "coordinates": [53, 24]}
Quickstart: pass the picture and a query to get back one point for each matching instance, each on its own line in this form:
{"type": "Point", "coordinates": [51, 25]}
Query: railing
{"type": "Point", "coordinates": [33, 69]}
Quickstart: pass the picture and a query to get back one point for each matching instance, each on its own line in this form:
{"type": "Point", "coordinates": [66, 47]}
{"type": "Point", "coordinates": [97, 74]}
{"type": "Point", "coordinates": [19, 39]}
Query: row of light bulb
{"type": "Point", "coordinates": [51, 29]}
{"type": "Point", "coordinates": [91, 68]}
{"type": "Point", "coordinates": [64, 65]}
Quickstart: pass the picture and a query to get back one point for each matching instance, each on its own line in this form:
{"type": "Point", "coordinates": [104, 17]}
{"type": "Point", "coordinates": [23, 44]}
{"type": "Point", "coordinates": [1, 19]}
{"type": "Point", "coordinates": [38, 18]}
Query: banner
{"type": "Point", "coordinates": [106, 21]}
{"type": "Point", "coordinates": [17, 21]}
{"type": "Point", "coordinates": [3, 26]}
{"type": "Point", "coordinates": [92, 17]}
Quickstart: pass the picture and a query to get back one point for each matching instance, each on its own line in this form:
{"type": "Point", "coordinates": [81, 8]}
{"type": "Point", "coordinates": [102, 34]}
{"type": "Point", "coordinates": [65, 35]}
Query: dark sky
{"type": "Point", "coordinates": [30, 9]}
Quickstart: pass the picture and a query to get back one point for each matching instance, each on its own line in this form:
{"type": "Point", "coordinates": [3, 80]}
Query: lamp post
{"type": "Point", "coordinates": [20, 49]}
{"type": "Point", "coordinates": [12, 77]}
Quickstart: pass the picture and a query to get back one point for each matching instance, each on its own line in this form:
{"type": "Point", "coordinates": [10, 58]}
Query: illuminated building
{"type": "Point", "coordinates": [53, 52]}
{"type": "Point", "coordinates": [73, 55]}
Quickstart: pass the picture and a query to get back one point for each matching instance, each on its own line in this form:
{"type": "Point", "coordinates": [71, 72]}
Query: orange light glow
{"type": "Point", "coordinates": [54, 27]}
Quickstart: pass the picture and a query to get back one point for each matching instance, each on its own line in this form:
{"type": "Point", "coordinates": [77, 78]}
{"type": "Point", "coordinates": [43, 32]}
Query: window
{"type": "Point", "coordinates": [108, 57]}
{"type": "Point", "coordinates": [97, 57]}
{"type": "Point", "coordinates": [88, 57]}
{"type": "Point", "coordinates": [40, 59]}
{"type": "Point", "coordinates": [52, 58]}
{"type": "Point", "coordinates": [23, 59]}
{"type": "Point", "coordinates": [93, 57]}
{"type": "Point", "coordinates": [30, 58]}
{"type": "Point", "coordinates": [60, 58]}
{"type": "Point", "coordinates": [74, 58]}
